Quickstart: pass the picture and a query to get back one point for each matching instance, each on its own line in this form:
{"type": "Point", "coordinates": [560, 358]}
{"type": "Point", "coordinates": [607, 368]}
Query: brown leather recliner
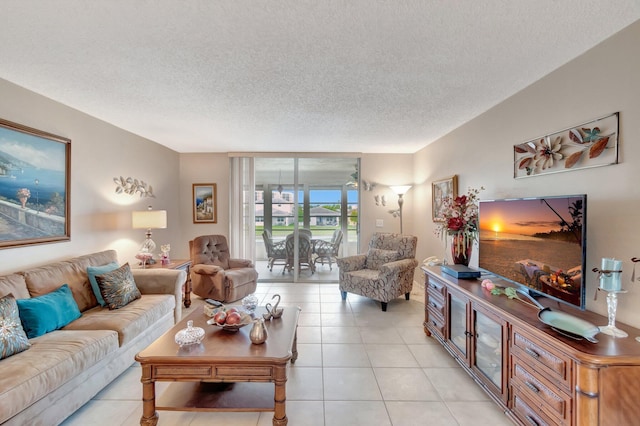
{"type": "Point", "coordinates": [214, 275]}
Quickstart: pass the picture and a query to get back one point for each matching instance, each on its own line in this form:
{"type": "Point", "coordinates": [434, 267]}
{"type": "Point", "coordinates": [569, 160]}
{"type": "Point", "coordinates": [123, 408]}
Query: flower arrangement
{"type": "Point", "coordinates": [23, 193]}
{"type": "Point", "coordinates": [460, 221]}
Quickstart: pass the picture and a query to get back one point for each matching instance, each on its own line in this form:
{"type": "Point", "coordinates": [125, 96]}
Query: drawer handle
{"type": "Point", "coordinates": [434, 286]}
{"type": "Point", "coordinates": [532, 387]}
{"type": "Point", "coordinates": [531, 352]}
{"type": "Point", "coordinates": [532, 421]}
{"type": "Point", "coordinates": [434, 304]}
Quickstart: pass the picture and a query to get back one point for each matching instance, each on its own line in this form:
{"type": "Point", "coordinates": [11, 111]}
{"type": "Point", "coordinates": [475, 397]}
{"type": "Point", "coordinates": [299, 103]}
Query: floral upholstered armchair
{"type": "Point", "coordinates": [384, 273]}
{"type": "Point", "coordinates": [214, 275]}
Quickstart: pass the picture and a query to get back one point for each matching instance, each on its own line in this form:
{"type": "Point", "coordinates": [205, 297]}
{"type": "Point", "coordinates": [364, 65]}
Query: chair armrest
{"type": "Point", "coordinates": [398, 265]}
{"type": "Point", "coordinates": [203, 269]}
{"type": "Point", "coordinates": [323, 245]}
{"type": "Point", "coordinates": [352, 263]}
{"type": "Point", "coordinates": [162, 281]}
{"type": "Point", "coordinates": [240, 263]}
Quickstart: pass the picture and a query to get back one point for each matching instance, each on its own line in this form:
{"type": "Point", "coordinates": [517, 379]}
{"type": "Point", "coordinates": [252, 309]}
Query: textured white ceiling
{"type": "Point", "coordinates": [294, 75]}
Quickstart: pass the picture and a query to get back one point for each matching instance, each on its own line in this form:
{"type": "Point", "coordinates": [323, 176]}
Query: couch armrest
{"type": "Point", "coordinates": [162, 281]}
{"type": "Point", "coordinates": [352, 263]}
{"type": "Point", "coordinates": [240, 263]}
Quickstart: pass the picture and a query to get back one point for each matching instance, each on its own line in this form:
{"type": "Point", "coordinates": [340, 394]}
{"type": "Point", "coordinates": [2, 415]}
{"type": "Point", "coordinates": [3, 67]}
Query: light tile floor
{"type": "Point", "coordinates": [357, 365]}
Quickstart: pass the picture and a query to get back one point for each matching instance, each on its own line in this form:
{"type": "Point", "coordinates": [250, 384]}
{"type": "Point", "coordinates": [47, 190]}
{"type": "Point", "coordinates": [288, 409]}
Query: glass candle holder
{"type": "Point", "coordinates": [610, 274]}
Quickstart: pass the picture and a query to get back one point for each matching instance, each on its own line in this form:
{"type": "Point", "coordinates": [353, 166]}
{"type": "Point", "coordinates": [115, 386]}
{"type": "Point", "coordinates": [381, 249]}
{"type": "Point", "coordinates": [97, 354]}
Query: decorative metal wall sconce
{"type": "Point", "coordinates": [132, 186]}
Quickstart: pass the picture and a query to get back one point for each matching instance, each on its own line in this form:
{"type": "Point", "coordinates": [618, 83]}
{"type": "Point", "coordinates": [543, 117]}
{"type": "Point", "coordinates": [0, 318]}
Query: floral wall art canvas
{"type": "Point", "coordinates": [592, 144]}
{"type": "Point", "coordinates": [34, 186]}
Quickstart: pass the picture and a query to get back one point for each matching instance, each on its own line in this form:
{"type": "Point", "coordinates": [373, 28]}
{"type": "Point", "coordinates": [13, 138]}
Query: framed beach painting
{"type": "Point", "coordinates": [441, 190]}
{"type": "Point", "coordinates": [34, 186]}
{"type": "Point", "coordinates": [205, 206]}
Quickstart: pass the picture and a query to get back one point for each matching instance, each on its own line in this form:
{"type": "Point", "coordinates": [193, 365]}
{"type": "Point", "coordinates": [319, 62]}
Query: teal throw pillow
{"type": "Point", "coordinates": [48, 312]}
{"type": "Point", "coordinates": [92, 271]}
{"type": "Point", "coordinates": [118, 287]}
{"type": "Point", "coordinates": [13, 339]}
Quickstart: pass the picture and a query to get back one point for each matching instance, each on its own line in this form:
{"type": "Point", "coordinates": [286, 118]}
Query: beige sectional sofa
{"type": "Point", "coordinates": [65, 368]}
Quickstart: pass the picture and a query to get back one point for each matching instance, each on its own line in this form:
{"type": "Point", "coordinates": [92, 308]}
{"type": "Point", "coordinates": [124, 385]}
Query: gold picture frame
{"type": "Point", "coordinates": [35, 169]}
{"type": "Point", "coordinates": [440, 190]}
{"type": "Point", "coordinates": [205, 204]}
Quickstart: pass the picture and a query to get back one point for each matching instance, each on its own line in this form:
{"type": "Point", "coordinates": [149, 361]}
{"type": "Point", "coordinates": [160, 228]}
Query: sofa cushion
{"type": "Point", "coordinates": [130, 320]}
{"type": "Point", "coordinates": [118, 288]}
{"type": "Point", "coordinates": [13, 339]}
{"type": "Point", "coordinates": [52, 360]}
{"type": "Point", "coordinates": [378, 257]}
{"type": "Point", "coordinates": [92, 271]}
{"type": "Point", "coordinates": [48, 312]}
{"type": "Point", "coordinates": [45, 279]}
{"type": "Point", "coordinates": [14, 284]}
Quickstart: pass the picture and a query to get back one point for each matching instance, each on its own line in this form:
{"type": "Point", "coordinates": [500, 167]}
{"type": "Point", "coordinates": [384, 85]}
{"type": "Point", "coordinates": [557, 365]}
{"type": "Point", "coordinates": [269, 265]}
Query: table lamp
{"type": "Point", "coordinates": [148, 219]}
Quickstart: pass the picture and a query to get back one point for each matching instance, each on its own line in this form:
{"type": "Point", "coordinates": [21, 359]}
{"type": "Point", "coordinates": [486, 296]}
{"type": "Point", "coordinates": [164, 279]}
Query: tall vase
{"type": "Point", "coordinates": [461, 246]}
{"type": "Point", "coordinates": [23, 201]}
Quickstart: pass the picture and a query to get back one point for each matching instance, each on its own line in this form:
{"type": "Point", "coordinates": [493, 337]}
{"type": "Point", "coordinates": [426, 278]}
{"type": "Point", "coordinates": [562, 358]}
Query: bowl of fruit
{"type": "Point", "coordinates": [230, 318]}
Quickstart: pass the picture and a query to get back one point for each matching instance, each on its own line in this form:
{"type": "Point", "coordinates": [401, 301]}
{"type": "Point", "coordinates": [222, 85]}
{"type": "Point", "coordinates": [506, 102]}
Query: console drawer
{"type": "Point", "coordinates": [524, 410]}
{"type": "Point", "coordinates": [435, 323]}
{"type": "Point", "coordinates": [549, 398]}
{"type": "Point", "coordinates": [543, 358]}
{"type": "Point", "coordinates": [436, 304]}
{"type": "Point", "coordinates": [434, 286]}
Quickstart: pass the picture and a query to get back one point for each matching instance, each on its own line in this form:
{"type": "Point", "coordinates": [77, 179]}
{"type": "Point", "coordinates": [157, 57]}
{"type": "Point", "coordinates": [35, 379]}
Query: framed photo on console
{"type": "Point", "coordinates": [440, 190]}
{"type": "Point", "coordinates": [205, 205]}
{"type": "Point", "coordinates": [34, 186]}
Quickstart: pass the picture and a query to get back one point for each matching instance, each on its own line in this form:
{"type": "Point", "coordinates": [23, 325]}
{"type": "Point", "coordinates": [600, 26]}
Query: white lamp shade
{"type": "Point", "coordinates": [149, 219]}
{"type": "Point", "coordinates": [400, 189]}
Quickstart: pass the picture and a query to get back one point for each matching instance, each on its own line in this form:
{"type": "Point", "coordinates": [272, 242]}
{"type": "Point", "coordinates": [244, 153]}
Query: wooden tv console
{"type": "Point", "coordinates": [537, 375]}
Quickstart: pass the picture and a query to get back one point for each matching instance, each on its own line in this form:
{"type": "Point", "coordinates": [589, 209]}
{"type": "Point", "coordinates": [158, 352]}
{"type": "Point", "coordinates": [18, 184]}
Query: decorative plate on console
{"type": "Point", "coordinates": [568, 325]}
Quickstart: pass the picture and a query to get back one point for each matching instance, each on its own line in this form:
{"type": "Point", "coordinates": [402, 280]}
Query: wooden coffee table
{"type": "Point", "coordinates": [226, 372]}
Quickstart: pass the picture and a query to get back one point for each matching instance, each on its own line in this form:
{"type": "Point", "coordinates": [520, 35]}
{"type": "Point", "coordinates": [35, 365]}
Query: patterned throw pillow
{"type": "Point", "coordinates": [378, 257]}
{"type": "Point", "coordinates": [13, 339]}
{"type": "Point", "coordinates": [92, 271]}
{"type": "Point", "coordinates": [118, 287]}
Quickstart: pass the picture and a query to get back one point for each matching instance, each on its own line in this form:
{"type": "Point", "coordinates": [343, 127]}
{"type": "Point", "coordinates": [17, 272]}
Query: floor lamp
{"type": "Point", "coordinates": [400, 190]}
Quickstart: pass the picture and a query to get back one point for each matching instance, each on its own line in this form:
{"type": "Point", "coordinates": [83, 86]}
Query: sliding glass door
{"type": "Point", "coordinates": [314, 196]}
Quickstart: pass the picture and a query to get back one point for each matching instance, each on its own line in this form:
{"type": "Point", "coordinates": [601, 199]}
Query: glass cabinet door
{"type": "Point", "coordinates": [458, 323]}
{"type": "Point", "coordinates": [488, 350]}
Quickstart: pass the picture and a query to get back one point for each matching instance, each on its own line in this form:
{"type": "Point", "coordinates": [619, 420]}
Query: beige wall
{"type": "Point", "coordinates": [385, 170]}
{"type": "Point", "coordinates": [202, 168]}
{"type": "Point", "coordinates": [600, 82]}
{"type": "Point", "coordinates": [100, 219]}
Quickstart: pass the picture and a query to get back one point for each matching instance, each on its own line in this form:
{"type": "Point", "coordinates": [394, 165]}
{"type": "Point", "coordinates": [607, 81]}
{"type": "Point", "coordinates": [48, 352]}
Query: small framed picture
{"type": "Point", "coordinates": [205, 205]}
{"type": "Point", "coordinates": [441, 190]}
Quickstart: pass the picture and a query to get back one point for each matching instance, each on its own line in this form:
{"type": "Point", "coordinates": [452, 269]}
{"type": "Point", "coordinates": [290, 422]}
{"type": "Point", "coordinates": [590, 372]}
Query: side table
{"type": "Point", "coordinates": [182, 265]}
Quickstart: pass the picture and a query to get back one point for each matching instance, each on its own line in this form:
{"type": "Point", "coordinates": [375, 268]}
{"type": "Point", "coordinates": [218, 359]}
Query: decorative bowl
{"type": "Point", "coordinates": [245, 319]}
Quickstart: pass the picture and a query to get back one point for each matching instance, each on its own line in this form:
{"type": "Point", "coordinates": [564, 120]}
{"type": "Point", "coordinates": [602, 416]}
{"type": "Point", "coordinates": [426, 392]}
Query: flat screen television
{"type": "Point", "coordinates": [538, 243]}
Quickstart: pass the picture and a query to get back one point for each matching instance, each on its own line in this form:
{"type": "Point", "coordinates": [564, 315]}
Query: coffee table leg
{"type": "Point", "coordinates": [280, 397]}
{"type": "Point", "coordinates": [149, 414]}
{"type": "Point", "coordinates": [187, 290]}
{"type": "Point", "coordinates": [294, 348]}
